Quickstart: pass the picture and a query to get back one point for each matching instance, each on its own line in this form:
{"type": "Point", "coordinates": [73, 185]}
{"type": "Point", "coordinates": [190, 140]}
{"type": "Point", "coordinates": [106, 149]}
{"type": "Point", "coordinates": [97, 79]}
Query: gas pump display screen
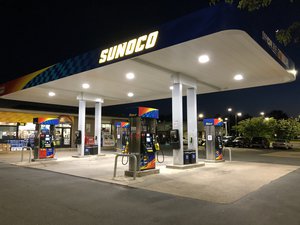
{"type": "Point", "coordinates": [148, 139]}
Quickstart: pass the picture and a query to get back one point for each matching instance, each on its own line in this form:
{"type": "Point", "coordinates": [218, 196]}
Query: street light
{"type": "Point", "coordinates": [226, 126]}
{"type": "Point", "coordinates": [201, 130]}
{"type": "Point", "coordinates": [262, 113]}
{"type": "Point", "coordinates": [229, 120]}
{"type": "Point", "coordinates": [226, 133]}
{"type": "Point", "coordinates": [239, 114]}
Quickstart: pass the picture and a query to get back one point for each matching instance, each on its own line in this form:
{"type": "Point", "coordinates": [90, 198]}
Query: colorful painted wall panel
{"type": "Point", "coordinates": [15, 117]}
{"type": "Point", "coordinates": [46, 121]}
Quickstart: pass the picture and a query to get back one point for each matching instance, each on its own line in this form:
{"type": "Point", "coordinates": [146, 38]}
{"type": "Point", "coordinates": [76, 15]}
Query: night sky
{"type": "Point", "coordinates": [36, 34]}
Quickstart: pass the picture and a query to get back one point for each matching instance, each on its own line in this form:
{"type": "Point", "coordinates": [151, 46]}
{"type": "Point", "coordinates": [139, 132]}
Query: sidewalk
{"type": "Point", "coordinates": [215, 182]}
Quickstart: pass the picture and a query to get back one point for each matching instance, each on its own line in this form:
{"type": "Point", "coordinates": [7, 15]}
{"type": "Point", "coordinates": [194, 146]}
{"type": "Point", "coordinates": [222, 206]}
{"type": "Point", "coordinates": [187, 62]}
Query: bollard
{"type": "Point", "coordinates": [126, 155]}
{"type": "Point", "coordinates": [229, 151]}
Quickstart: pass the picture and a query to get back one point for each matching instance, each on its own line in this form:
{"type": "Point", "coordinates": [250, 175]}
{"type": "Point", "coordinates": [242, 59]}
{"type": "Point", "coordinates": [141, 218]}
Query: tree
{"type": "Point", "coordinates": [250, 5]}
{"type": "Point", "coordinates": [291, 34]}
{"type": "Point", "coordinates": [284, 36]}
{"type": "Point", "coordinates": [269, 128]}
{"type": "Point", "coordinates": [287, 129]}
{"type": "Point", "coordinates": [257, 127]}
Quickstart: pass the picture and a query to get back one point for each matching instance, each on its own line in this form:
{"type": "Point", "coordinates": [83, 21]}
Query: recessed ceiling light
{"type": "Point", "coordinates": [203, 59]}
{"type": "Point", "coordinates": [130, 76]}
{"type": "Point", "coordinates": [293, 71]}
{"type": "Point", "coordinates": [51, 94]}
{"type": "Point", "coordinates": [171, 87]}
{"type": "Point", "coordinates": [238, 77]}
{"type": "Point", "coordinates": [130, 94]}
{"type": "Point", "coordinates": [85, 86]}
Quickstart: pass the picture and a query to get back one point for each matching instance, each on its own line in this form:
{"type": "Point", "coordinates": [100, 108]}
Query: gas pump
{"type": "Point", "coordinates": [147, 150]}
{"type": "Point", "coordinates": [44, 141]}
{"type": "Point", "coordinates": [142, 141]}
{"type": "Point", "coordinates": [123, 131]}
{"type": "Point", "coordinates": [214, 144]}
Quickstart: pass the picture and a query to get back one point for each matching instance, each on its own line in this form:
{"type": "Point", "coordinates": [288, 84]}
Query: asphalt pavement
{"type": "Point", "coordinates": [260, 187]}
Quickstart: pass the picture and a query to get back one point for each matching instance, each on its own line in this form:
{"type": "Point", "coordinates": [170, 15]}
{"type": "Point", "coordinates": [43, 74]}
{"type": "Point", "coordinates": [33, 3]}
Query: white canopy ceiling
{"type": "Point", "coordinates": [231, 52]}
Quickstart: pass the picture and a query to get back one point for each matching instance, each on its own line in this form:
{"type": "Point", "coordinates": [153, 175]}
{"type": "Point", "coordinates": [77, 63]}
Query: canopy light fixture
{"type": "Point", "coordinates": [238, 77]}
{"type": "Point", "coordinates": [51, 94]}
{"type": "Point", "coordinates": [203, 59]}
{"type": "Point", "coordinates": [130, 76]}
{"type": "Point", "coordinates": [293, 71]}
{"type": "Point", "coordinates": [130, 94]}
{"type": "Point", "coordinates": [85, 86]}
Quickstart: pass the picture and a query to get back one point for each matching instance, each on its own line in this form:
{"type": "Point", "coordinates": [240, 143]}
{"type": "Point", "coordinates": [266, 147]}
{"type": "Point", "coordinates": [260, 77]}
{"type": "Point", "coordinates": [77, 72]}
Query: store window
{"type": "Point", "coordinates": [8, 132]}
{"type": "Point", "coordinates": [107, 137]}
{"type": "Point", "coordinates": [26, 130]}
{"type": "Point", "coordinates": [106, 128]}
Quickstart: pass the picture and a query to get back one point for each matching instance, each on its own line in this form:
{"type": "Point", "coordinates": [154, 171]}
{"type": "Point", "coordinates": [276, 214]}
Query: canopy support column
{"type": "Point", "coordinates": [192, 120]}
{"type": "Point", "coordinates": [81, 126]}
{"type": "Point", "coordinates": [177, 121]}
{"type": "Point", "coordinates": [98, 114]}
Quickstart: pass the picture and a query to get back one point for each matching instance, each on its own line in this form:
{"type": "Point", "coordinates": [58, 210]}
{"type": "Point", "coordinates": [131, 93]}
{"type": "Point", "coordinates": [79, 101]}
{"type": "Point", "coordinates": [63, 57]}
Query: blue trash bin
{"type": "Point", "coordinates": [186, 157]}
{"type": "Point", "coordinates": [192, 157]}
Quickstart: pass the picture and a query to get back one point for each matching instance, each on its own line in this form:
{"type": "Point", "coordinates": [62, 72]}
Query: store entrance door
{"type": "Point", "coordinates": [66, 137]}
{"type": "Point", "coordinates": [63, 137]}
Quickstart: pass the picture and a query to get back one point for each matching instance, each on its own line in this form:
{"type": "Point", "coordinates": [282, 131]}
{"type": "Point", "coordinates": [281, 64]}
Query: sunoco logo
{"type": "Point", "coordinates": [129, 47]}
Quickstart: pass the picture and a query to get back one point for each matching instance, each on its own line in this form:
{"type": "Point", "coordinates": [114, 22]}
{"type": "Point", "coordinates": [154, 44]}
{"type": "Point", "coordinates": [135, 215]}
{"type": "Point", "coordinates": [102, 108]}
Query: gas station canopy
{"type": "Point", "coordinates": [236, 55]}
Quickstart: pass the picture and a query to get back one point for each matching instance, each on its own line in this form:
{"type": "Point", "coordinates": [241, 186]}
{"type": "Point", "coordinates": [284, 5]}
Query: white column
{"type": "Point", "coordinates": [177, 121]}
{"type": "Point", "coordinates": [192, 120]}
{"type": "Point", "coordinates": [98, 114]}
{"type": "Point", "coordinates": [81, 126]}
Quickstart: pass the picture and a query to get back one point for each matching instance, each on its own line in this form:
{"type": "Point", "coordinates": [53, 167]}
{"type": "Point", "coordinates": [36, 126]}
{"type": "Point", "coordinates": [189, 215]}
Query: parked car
{"type": "Point", "coordinates": [241, 142]}
{"type": "Point", "coordinates": [281, 143]}
{"type": "Point", "coordinates": [227, 140]}
{"type": "Point", "coordinates": [259, 142]}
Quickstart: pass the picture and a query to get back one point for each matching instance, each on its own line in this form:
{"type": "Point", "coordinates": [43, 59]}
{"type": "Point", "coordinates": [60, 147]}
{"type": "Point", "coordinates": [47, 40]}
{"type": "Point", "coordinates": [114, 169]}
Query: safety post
{"type": "Point", "coordinates": [126, 155]}
{"type": "Point", "coordinates": [229, 150]}
{"type": "Point", "coordinates": [30, 153]}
